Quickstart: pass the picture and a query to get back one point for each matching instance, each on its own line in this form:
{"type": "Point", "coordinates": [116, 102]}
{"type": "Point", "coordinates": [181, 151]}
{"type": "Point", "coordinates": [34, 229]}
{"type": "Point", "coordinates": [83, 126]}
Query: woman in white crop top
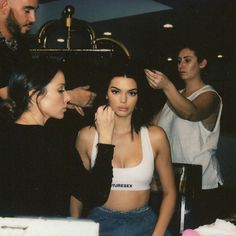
{"type": "Point", "coordinates": [139, 149]}
{"type": "Point", "coordinates": [191, 120]}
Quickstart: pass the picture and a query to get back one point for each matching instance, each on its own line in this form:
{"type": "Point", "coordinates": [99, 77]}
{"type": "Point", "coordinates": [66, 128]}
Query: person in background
{"type": "Point", "coordinates": [16, 19]}
{"type": "Point", "coordinates": [191, 119]}
{"type": "Point", "coordinates": [139, 150]}
{"type": "Point", "coordinates": [37, 174]}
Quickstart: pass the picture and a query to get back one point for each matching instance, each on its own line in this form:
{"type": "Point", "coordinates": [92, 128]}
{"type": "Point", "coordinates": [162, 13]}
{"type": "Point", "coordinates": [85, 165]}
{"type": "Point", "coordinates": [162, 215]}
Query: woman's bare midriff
{"type": "Point", "coordinates": [127, 200]}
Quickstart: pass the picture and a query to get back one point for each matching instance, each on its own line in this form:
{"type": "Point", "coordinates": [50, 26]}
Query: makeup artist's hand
{"type": "Point", "coordinates": [105, 122]}
{"type": "Point", "coordinates": [156, 79]}
{"type": "Point", "coordinates": [82, 96]}
{"type": "Point", "coordinates": [79, 109]}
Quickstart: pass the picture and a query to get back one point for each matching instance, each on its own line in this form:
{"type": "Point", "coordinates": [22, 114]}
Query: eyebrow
{"type": "Point", "coordinates": [133, 89]}
{"type": "Point", "coordinates": [186, 56]}
{"type": "Point", "coordinates": [31, 7]}
{"type": "Point", "coordinates": [120, 89]}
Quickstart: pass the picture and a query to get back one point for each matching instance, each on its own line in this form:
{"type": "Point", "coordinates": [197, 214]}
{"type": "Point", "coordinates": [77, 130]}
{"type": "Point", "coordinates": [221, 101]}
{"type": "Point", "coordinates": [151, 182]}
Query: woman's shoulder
{"type": "Point", "coordinates": [153, 129]}
{"type": "Point", "coordinates": [206, 90]}
{"type": "Point", "coordinates": [156, 133]}
{"type": "Point", "coordinates": [158, 139]}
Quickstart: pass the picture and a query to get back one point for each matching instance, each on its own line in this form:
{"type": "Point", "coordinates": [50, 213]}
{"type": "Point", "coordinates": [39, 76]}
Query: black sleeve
{"type": "Point", "coordinates": [5, 70]}
{"type": "Point", "coordinates": [10, 60]}
{"type": "Point", "coordinates": [92, 187]}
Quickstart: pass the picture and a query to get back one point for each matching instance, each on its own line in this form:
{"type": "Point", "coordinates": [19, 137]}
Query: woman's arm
{"type": "Point", "coordinates": [82, 139]}
{"type": "Point", "coordinates": [164, 168]}
{"type": "Point", "coordinates": [92, 187]}
{"type": "Point", "coordinates": [76, 207]}
{"type": "Point", "coordinates": [104, 121]}
{"type": "Point", "coordinates": [199, 109]}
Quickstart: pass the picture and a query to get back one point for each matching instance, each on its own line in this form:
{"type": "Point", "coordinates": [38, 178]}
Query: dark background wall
{"type": "Point", "coordinates": [211, 24]}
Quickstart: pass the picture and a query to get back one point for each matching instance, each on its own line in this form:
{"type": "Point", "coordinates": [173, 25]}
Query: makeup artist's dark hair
{"type": "Point", "coordinates": [34, 78]}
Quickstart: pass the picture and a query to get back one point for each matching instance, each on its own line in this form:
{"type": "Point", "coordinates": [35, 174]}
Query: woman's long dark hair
{"type": "Point", "coordinates": [34, 78]}
{"type": "Point", "coordinates": [135, 72]}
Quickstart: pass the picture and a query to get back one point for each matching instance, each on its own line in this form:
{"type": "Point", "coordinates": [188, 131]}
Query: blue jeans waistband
{"type": "Point", "coordinates": [140, 210]}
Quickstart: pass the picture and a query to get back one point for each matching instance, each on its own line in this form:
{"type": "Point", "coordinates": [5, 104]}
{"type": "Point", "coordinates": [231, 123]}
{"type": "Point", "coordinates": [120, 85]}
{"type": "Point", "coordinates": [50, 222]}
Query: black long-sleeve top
{"type": "Point", "coordinates": [38, 174]}
{"type": "Point", "coordinates": [11, 59]}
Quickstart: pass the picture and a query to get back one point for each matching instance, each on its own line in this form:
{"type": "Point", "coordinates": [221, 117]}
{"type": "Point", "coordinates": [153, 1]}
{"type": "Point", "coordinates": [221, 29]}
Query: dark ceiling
{"type": "Point", "coordinates": [211, 23]}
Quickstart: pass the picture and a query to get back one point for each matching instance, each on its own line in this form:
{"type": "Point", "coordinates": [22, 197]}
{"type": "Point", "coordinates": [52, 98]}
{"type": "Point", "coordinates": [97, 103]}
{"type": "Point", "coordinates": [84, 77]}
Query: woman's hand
{"type": "Point", "coordinates": [156, 79]}
{"type": "Point", "coordinates": [105, 121]}
{"type": "Point", "coordinates": [81, 96]}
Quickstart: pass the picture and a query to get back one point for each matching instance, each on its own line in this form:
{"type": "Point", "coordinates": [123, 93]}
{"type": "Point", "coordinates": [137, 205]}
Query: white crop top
{"type": "Point", "coordinates": [132, 178]}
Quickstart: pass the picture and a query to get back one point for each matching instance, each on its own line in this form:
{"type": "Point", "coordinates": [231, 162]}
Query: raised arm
{"type": "Point", "coordinates": [199, 109]}
{"type": "Point", "coordinates": [92, 187]}
{"type": "Point", "coordinates": [104, 121]}
{"type": "Point", "coordinates": [164, 168]}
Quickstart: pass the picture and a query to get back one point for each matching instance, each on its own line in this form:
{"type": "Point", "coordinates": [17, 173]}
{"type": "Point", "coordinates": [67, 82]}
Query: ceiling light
{"type": "Point", "coordinates": [169, 59]}
{"type": "Point", "coordinates": [60, 40]}
{"type": "Point", "coordinates": [168, 26]}
{"type": "Point", "coordinates": [220, 56]}
{"type": "Point", "coordinates": [107, 33]}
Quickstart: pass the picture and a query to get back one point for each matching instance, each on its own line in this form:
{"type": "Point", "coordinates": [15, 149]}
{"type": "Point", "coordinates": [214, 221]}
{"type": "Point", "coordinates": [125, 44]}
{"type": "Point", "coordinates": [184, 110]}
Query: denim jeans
{"type": "Point", "coordinates": [138, 222]}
